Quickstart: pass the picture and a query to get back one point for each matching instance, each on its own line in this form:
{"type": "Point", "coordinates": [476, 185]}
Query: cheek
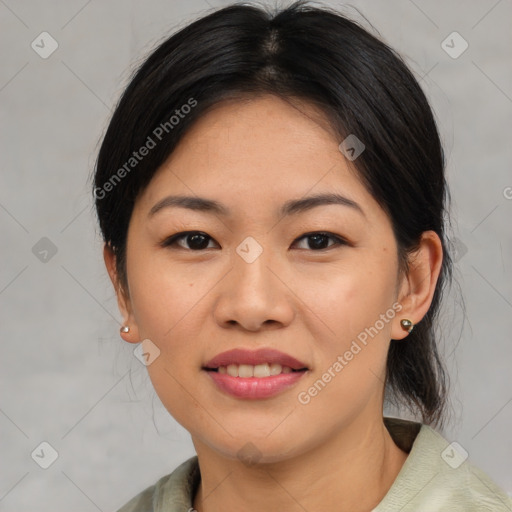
{"type": "Point", "coordinates": [165, 302]}
{"type": "Point", "coordinates": [351, 340]}
{"type": "Point", "coordinates": [163, 296]}
{"type": "Point", "coordinates": [348, 297]}
{"type": "Point", "coordinates": [351, 320]}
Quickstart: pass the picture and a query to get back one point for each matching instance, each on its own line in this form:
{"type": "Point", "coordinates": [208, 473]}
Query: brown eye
{"type": "Point", "coordinates": [320, 241]}
{"type": "Point", "coordinates": [192, 240]}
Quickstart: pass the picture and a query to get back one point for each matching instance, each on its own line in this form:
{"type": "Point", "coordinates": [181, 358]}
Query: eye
{"type": "Point", "coordinates": [317, 241]}
{"type": "Point", "coordinates": [196, 240]}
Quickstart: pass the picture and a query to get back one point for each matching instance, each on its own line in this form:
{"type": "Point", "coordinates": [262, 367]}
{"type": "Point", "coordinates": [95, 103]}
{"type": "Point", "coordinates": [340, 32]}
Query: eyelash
{"type": "Point", "coordinates": [338, 241]}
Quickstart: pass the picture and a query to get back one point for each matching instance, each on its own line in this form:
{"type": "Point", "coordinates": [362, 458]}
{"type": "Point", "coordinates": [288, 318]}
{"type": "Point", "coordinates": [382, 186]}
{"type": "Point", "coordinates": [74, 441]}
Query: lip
{"type": "Point", "coordinates": [254, 357]}
{"type": "Point", "coordinates": [254, 388]}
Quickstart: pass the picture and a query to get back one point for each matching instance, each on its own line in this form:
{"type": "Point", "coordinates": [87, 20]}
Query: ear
{"type": "Point", "coordinates": [418, 286]}
{"type": "Point", "coordinates": [123, 298]}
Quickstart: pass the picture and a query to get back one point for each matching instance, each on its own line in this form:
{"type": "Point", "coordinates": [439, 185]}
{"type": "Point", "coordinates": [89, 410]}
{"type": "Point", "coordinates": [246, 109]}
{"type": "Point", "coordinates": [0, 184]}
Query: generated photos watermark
{"type": "Point", "coordinates": [304, 397]}
{"type": "Point", "coordinates": [151, 142]}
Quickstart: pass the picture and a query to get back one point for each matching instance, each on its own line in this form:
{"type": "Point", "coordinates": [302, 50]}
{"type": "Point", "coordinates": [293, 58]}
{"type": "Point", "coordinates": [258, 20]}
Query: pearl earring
{"type": "Point", "coordinates": [407, 325]}
{"type": "Point", "coordinates": [125, 329]}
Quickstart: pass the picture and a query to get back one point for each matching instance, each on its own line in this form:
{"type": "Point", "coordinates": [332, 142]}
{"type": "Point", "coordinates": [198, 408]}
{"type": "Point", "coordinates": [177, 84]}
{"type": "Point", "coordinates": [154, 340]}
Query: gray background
{"type": "Point", "coordinates": [67, 377]}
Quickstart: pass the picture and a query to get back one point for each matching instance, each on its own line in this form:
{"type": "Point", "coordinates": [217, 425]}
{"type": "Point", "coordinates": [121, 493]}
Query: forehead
{"type": "Point", "coordinates": [259, 130]}
{"type": "Point", "coordinates": [257, 151]}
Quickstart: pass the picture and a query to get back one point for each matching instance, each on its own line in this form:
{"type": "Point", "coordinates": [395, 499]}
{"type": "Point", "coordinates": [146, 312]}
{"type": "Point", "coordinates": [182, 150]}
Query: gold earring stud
{"type": "Point", "coordinates": [125, 329]}
{"type": "Point", "coordinates": [407, 325]}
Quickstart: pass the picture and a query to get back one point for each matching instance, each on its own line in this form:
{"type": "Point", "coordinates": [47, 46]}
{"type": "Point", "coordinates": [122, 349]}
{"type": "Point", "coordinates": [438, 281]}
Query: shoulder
{"type": "Point", "coordinates": [437, 476]}
{"type": "Point", "coordinates": [172, 493]}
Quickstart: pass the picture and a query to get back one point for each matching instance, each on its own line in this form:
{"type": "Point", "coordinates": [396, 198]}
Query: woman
{"type": "Point", "coordinates": [271, 193]}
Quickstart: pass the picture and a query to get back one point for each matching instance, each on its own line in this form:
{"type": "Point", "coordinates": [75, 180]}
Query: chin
{"type": "Point", "coordinates": [253, 449]}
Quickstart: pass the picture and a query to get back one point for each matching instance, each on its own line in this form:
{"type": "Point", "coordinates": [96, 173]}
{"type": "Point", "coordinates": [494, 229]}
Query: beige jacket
{"type": "Point", "coordinates": [436, 477]}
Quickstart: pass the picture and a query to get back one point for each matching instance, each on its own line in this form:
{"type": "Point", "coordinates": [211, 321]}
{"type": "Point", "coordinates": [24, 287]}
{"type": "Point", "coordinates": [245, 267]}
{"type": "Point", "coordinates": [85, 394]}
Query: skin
{"type": "Point", "coordinates": [335, 452]}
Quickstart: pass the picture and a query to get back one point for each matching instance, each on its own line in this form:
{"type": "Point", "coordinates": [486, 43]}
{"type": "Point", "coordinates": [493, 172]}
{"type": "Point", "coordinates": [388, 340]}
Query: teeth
{"type": "Point", "coordinates": [259, 370]}
{"type": "Point", "coordinates": [245, 370]}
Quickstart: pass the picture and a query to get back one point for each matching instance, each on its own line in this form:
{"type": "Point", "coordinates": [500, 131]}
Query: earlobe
{"type": "Point", "coordinates": [128, 330]}
{"type": "Point", "coordinates": [126, 333]}
{"type": "Point", "coordinates": [418, 287]}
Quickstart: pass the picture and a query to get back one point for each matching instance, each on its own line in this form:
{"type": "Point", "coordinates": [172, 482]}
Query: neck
{"type": "Point", "coordinates": [355, 479]}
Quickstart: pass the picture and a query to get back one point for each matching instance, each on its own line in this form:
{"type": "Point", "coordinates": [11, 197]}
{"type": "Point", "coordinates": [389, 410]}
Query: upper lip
{"type": "Point", "coordinates": [254, 357]}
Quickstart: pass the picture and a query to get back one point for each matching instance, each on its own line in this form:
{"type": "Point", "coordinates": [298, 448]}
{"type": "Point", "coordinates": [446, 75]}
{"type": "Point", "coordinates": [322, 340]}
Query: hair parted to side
{"type": "Point", "coordinates": [314, 55]}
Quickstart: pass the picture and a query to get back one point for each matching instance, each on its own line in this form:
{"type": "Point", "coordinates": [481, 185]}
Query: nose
{"type": "Point", "coordinates": [254, 296]}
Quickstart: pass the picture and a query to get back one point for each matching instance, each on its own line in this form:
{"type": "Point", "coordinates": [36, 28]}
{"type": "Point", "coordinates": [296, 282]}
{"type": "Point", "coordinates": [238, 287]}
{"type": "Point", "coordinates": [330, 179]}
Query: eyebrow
{"type": "Point", "coordinates": [291, 207]}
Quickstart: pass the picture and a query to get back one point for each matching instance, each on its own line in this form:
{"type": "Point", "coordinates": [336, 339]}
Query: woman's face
{"type": "Point", "coordinates": [253, 280]}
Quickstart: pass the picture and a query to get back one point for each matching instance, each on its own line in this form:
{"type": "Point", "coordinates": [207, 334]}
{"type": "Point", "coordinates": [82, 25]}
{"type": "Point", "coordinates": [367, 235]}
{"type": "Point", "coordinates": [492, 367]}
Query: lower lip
{"type": "Point", "coordinates": [254, 387]}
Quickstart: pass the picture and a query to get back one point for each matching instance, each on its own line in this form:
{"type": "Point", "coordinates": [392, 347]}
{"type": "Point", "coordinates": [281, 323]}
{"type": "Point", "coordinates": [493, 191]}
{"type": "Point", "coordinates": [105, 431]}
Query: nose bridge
{"type": "Point", "coordinates": [250, 249]}
{"type": "Point", "coordinates": [251, 268]}
{"type": "Point", "coordinates": [253, 295]}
